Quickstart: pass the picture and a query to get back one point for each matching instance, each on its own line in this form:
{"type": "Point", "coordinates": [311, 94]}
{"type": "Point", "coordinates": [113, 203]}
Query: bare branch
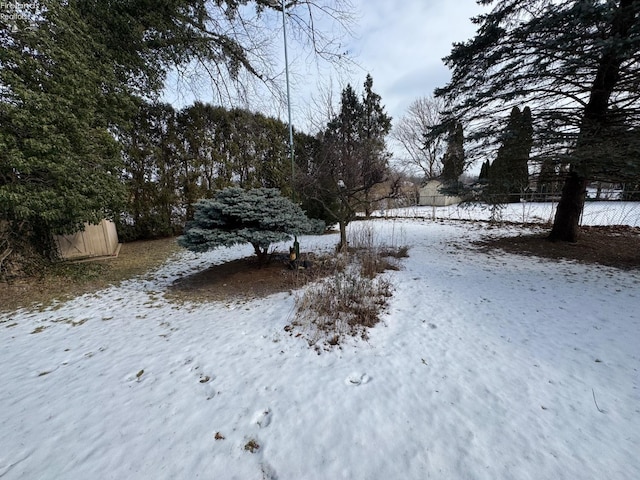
{"type": "Point", "coordinates": [411, 131]}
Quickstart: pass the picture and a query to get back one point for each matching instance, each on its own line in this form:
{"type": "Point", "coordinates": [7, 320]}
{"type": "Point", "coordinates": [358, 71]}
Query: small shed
{"type": "Point", "coordinates": [430, 195]}
{"type": "Point", "coordinates": [94, 241]}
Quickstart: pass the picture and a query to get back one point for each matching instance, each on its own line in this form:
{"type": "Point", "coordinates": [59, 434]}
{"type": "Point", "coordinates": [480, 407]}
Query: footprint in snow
{"type": "Point", "coordinates": [262, 418]}
{"type": "Point", "coordinates": [210, 392]}
{"type": "Point", "coordinates": [356, 379]}
{"type": "Point", "coordinates": [268, 473]}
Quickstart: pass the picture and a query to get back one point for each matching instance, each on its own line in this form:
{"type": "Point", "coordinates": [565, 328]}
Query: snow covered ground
{"type": "Point", "coordinates": [595, 213]}
{"type": "Point", "coordinates": [486, 366]}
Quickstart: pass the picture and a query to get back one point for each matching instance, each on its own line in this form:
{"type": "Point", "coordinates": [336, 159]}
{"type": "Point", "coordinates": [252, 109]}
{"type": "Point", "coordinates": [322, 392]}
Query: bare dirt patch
{"type": "Point", "coordinates": [245, 279]}
{"type": "Point", "coordinates": [615, 246]}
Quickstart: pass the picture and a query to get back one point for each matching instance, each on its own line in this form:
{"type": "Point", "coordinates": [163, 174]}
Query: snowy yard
{"type": "Point", "coordinates": [594, 213]}
{"type": "Point", "coordinates": [486, 366]}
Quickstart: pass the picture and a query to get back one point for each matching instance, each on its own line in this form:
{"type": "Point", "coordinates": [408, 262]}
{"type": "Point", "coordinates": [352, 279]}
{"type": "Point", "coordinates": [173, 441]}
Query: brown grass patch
{"type": "Point", "coordinates": [66, 280]}
{"type": "Point", "coordinates": [615, 246]}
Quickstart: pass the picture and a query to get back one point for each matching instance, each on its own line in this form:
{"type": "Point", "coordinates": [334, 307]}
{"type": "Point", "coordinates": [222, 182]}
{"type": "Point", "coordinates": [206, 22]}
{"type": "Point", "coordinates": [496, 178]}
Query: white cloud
{"type": "Point", "coordinates": [402, 45]}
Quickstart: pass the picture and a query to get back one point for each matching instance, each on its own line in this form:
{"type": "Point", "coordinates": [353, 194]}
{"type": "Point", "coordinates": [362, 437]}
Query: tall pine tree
{"type": "Point", "coordinates": [509, 173]}
{"type": "Point", "coordinates": [576, 63]}
{"type": "Point", "coordinates": [352, 159]}
{"type": "Point", "coordinates": [376, 126]}
{"type": "Point", "coordinates": [453, 162]}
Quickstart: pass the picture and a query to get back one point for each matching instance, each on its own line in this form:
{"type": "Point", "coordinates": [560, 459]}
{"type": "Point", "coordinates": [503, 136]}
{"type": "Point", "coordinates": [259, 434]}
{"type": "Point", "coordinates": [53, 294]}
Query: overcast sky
{"type": "Point", "coordinates": [402, 45]}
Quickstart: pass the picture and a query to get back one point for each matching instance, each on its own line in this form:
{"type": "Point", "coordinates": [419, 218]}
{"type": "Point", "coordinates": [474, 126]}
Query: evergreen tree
{"type": "Point", "coordinates": [453, 162]}
{"type": "Point", "coordinates": [376, 126]}
{"type": "Point", "coordinates": [151, 174]}
{"type": "Point", "coordinates": [272, 155]}
{"type": "Point", "coordinates": [260, 216]}
{"type": "Point", "coordinates": [577, 62]}
{"type": "Point", "coordinates": [485, 171]}
{"type": "Point", "coordinates": [318, 198]}
{"type": "Point", "coordinates": [339, 167]}
{"type": "Point", "coordinates": [352, 159]}
{"type": "Point", "coordinates": [173, 158]}
{"type": "Point", "coordinates": [71, 74]}
{"type": "Point", "coordinates": [231, 41]}
{"type": "Point", "coordinates": [509, 176]}
{"type": "Point", "coordinates": [59, 163]}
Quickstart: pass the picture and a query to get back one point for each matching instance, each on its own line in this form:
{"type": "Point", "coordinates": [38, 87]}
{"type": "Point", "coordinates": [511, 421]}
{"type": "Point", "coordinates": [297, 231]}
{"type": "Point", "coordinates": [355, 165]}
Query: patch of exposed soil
{"type": "Point", "coordinates": [615, 246]}
{"type": "Point", "coordinates": [245, 279]}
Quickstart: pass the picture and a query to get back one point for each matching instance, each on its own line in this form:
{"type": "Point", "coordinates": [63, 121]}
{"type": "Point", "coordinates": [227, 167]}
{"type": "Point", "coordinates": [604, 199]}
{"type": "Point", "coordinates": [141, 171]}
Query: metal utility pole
{"type": "Point", "coordinates": [295, 253]}
{"type": "Point", "coordinates": [286, 69]}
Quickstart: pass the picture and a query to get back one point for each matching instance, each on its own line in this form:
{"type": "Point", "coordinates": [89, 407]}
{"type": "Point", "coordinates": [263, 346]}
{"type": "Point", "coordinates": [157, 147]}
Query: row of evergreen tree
{"type": "Point", "coordinates": [78, 140]}
{"type": "Point", "coordinates": [507, 178]}
{"type": "Point", "coordinates": [514, 175]}
{"type": "Point", "coordinates": [78, 146]}
{"type": "Point", "coordinates": [173, 157]}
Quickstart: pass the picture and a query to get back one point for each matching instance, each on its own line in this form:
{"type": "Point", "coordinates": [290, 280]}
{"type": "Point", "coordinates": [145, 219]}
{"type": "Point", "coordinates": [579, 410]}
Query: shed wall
{"type": "Point", "coordinates": [95, 241]}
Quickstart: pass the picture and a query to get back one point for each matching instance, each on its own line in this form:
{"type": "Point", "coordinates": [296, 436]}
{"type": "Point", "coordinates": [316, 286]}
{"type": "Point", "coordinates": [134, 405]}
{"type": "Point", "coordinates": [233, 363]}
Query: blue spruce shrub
{"type": "Point", "coordinates": [260, 216]}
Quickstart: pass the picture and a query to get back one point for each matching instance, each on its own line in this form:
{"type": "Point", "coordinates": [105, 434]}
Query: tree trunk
{"type": "Point", "coordinates": [263, 255]}
{"type": "Point", "coordinates": [367, 204]}
{"type": "Point", "coordinates": [565, 224]}
{"type": "Point", "coordinates": [342, 246]}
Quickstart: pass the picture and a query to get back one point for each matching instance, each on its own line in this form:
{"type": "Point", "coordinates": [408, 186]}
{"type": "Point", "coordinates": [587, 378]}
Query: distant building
{"type": "Point", "coordinates": [430, 195]}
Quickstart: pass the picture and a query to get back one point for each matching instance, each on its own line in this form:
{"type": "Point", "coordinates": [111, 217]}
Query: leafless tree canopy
{"type": "Point", "coordinates": [249, 38]}
{"type": "Point", "coordinates": [411, 130]}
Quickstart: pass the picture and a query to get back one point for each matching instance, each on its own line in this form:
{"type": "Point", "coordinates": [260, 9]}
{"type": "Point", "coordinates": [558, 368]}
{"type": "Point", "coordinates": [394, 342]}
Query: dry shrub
{"type": "Point", "coordinates": [345, 303]}
{"type": "Point", "coordinates": [373, 256]}
{"type": "Point", "coordinates": [372, 263]}
{"type": "Point", "coordinates": [351, 298]}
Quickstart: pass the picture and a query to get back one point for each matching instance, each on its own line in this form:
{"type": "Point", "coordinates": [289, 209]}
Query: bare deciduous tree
{"type": "Point", "coordinates": [411, 130]}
